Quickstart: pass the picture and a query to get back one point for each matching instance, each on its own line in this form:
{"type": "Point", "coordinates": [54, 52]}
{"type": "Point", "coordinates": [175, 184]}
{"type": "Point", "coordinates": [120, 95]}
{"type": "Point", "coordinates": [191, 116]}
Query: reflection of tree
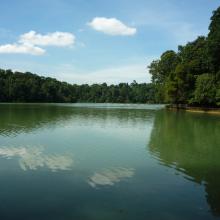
{"type": "Point", "coordinates": [23, 118]}
{"type": "Point", "coordinates": [16, 118]}
{"type": "Point", "coordinates": [190, 142]}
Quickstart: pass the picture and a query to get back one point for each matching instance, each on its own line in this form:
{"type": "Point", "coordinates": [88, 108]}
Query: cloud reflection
{"type": "Point", "coordinates": [32, 158]}
{"type": "Point", "coordinates": [110, 176]}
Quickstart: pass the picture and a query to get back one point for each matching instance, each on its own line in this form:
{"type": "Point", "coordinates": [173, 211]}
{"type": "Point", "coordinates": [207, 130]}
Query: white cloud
{"type": "Point", "coordinates": [115, 75]}
{"type": "Point", "coordinates": [110, 177]}
{"type": "Point", "coordinates": [129, 70]}
{"type": "Point", "coordinates": [60, 39]}
{"type": "Point", "coordinates": [32, 158]}
{"type": "Point", "coordinates": [28, 43]}
{"type": "Point", "coordinates": [111, 26]}
{"type": "Point", "coordinates": [22, 49]}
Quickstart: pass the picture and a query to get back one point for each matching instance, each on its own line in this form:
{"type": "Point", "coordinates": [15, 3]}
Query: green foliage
{"type": "Point", "coordinates": [214, 40]}
{"type": "Point", "coordinates": [28, 87]}
{"type": "Point", "coordinates": [181, 76]}
{"type": "Point", "coordinates": [205, 92]}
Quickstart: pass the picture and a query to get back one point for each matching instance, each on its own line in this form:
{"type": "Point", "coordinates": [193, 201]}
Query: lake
{"type": "Point", "coordinates": [108, 161]}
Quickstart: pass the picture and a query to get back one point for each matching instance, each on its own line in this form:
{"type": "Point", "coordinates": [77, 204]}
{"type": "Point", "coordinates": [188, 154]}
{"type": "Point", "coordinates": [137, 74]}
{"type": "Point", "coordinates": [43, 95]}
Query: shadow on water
{"type": "Point", "coordinates": [191, 144]}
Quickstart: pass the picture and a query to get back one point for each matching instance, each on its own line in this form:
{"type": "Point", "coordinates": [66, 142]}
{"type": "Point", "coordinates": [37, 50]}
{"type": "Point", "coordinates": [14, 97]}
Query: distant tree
{"type": "Point", "coordinates": [28, 87]}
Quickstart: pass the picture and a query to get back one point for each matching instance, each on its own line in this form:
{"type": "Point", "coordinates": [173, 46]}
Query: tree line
{"type": "Point", "coordinates": [191, 76]}
{"type": "Point", "coordinates": [28, 87]}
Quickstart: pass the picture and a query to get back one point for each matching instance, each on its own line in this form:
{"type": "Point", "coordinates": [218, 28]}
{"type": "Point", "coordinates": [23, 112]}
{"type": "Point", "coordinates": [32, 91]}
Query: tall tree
{"type": "Point", "coordinates": [214, 40]}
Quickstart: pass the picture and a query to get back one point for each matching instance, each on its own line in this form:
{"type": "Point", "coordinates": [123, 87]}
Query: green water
{"type": "Point", "coordinates": [105, 162]}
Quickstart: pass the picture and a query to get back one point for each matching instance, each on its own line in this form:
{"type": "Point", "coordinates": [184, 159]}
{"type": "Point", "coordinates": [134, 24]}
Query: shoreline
{"type": "Point", "coordinates": [198, 109]}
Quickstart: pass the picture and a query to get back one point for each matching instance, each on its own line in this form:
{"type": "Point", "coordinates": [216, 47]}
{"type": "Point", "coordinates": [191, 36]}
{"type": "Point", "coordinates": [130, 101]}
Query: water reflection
{"type": "Point", "coordinates": [191, 144]}
{"type": "Point", "coordinates": [115, 138]}
{"type": "Point", "coordinates": [33, 158]}
{"type": "Point", "coordinates": [26, 118]}
{"type": "Point", "coordinates": [111, 176]}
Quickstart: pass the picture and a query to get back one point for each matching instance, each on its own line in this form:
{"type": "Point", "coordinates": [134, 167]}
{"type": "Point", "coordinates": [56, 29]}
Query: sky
{"type": "Point", "coordinates": [96, 41]}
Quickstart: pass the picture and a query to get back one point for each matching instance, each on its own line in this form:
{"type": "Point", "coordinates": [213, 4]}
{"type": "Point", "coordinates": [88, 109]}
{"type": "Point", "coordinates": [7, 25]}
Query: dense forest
{"type": "Point", "coordinates": [28, 87]}
{"type": "Point", "coordinates": [191, 76]}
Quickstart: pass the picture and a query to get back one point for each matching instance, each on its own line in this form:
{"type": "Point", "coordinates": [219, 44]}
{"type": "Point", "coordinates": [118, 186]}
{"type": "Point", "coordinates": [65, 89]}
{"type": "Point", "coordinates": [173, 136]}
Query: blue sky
{"type": "Point", "coordinates": [94, 41]}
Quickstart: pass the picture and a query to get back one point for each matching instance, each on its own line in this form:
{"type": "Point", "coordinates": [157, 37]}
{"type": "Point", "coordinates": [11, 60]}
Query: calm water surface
{"type": "Point", "coordinates": [105, 162]}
